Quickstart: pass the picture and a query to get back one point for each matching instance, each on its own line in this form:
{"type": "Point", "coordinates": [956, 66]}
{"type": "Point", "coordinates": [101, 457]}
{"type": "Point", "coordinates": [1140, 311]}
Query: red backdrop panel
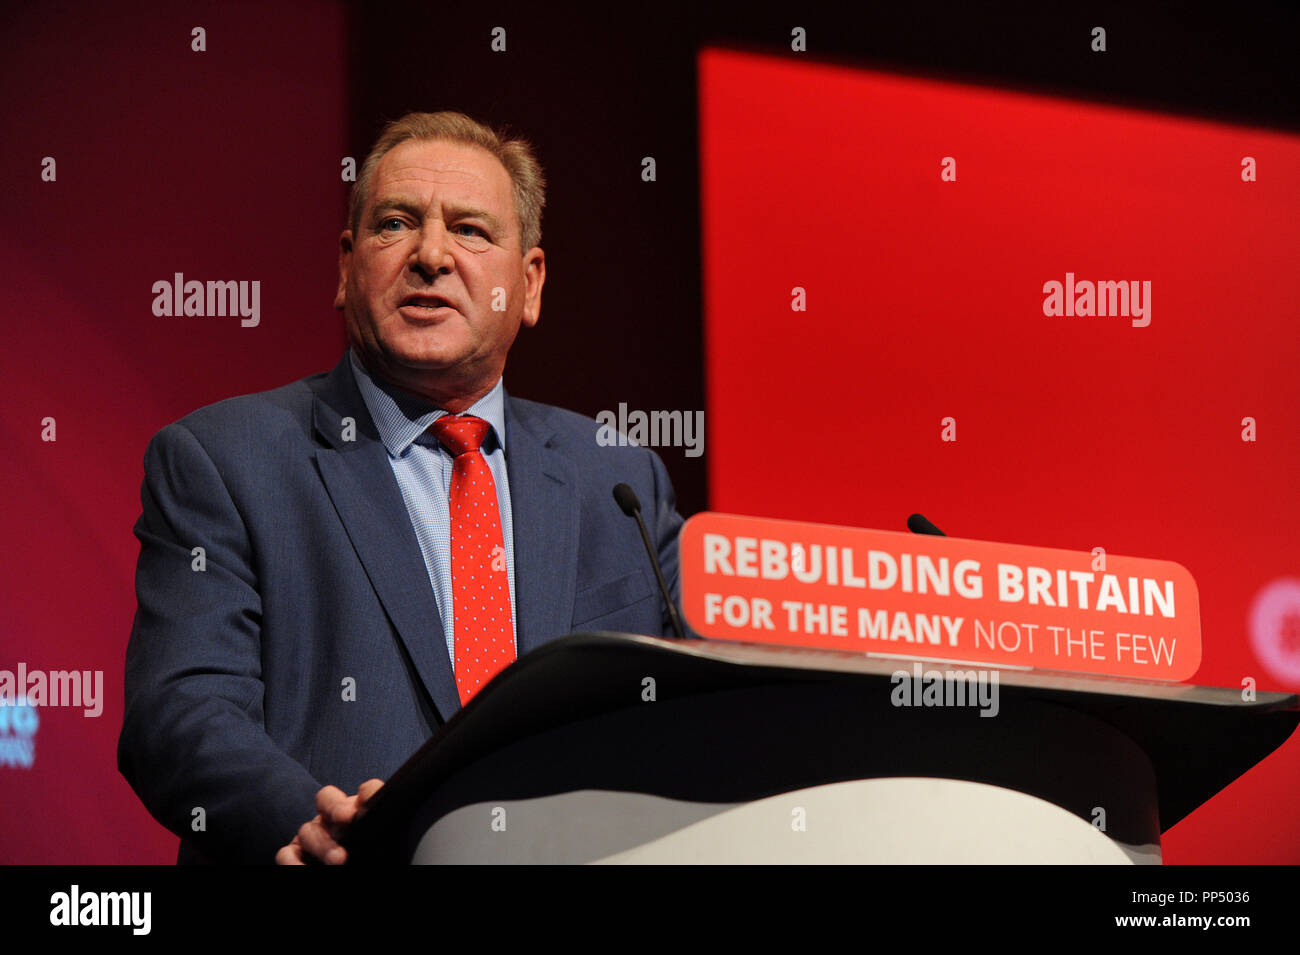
{"type": "Point", "coordinates": [925, 302]}
{"type": "Point", "coordinates": [223, 165]}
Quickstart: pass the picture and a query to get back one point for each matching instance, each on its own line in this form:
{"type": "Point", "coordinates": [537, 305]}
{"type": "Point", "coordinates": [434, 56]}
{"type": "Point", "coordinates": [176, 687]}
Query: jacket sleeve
{"type": "Point", "coordinates": [194, 745]}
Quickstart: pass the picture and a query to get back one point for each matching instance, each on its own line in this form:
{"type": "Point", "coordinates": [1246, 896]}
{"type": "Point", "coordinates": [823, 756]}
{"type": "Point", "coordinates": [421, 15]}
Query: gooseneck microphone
{"type": "Point", "coordinates": [918, 524]}
{"type": "Point", "coordinates": [627, 500]}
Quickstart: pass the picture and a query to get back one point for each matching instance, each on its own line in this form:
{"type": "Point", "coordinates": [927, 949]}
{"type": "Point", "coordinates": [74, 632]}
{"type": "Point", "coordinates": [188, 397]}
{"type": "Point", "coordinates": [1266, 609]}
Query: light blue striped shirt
{"type": "Point", "coordinates": [422, 467]}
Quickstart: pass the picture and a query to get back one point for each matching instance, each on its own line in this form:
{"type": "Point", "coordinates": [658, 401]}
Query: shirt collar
{"type": "Point", "coordinates": [403, 418]}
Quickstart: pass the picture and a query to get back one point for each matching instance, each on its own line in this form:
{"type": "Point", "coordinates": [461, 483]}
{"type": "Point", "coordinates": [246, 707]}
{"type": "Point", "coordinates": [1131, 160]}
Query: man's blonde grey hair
{"type": "Point", "coordinates": [515, 153]}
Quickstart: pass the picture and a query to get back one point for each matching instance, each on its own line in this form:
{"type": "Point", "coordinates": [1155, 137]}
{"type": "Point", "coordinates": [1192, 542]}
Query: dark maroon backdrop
{"type": "Point", "coordinates": [221, 165]}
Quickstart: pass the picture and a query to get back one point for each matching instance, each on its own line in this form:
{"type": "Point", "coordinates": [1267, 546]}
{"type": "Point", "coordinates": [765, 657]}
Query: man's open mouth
{"type": "Point", "coordinates": [429, 302]}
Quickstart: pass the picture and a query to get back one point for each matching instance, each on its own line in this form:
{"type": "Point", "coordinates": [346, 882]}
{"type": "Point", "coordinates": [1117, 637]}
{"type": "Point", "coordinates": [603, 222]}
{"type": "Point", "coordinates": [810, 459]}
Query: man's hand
{"type": "Point", "coordinates": [316, 840]}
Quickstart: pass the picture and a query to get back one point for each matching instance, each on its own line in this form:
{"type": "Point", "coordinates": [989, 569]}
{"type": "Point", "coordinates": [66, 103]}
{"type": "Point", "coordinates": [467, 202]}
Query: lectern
{"type": "Point", "coordinates": [607, 747]}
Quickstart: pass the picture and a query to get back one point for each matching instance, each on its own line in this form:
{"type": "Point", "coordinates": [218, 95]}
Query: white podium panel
{"type": "Point", "coordinates": [889, 821]}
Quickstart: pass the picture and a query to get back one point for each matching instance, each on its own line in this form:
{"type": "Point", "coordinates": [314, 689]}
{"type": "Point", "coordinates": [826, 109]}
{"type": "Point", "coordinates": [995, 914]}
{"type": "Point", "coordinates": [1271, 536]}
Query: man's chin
{"type": "Point", "coordinates": [410, 358]}
{"type": "Point", "coordinates": [425, 351]}
{"type": "Point", "coordinates": [425, 363]}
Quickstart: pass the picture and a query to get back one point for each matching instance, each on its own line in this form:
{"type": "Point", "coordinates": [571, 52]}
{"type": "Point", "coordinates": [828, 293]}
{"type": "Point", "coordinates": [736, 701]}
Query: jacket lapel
{"type": "Point", "coordinates": [544, 506]}
{"type": "Point", "coordinates": [361, 484]}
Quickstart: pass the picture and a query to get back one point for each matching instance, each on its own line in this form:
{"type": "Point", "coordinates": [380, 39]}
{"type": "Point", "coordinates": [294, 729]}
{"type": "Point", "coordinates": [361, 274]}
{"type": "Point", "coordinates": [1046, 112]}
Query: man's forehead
{"type": "Point", "coordinates": [434, 167]}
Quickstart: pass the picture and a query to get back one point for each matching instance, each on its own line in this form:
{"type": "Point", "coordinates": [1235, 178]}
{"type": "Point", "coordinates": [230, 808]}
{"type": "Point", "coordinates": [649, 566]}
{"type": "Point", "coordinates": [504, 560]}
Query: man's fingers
{"type": "Point", "coordinates": [327, 797]}
{"type": "Point", "coordinates": [336, 808]}
{"type": "Point", "coordinates": [340, 814]}
{"type": "Point", "coordinates": [290, 854]}
{"type": "Point", "coordinates": [317, 842]}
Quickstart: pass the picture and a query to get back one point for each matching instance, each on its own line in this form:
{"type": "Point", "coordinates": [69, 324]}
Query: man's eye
{"type": "Point", "coordinates": [384, 226]}
{"type": "Point", "coordinates": [472, 228]}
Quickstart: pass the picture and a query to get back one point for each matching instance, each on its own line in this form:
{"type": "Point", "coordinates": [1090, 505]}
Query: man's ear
{"type": "Point", "coordinates": [534, 279]}
{"type": "Point", "coordinates": [345, 263]}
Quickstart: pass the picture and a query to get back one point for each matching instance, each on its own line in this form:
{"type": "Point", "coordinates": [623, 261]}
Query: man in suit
{"type": "Point", "coordinates": [330, 570]}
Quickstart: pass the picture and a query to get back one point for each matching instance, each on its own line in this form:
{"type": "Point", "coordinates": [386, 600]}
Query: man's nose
{"type": "Point", "coordinates": [432, 253]}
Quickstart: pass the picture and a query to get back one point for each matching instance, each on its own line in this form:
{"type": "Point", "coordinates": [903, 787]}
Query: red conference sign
{"type": "Point", "coordinates": [943, 598]}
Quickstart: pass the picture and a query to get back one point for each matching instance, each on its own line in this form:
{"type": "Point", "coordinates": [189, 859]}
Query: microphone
{"type": "Point", "coordinates": [918, 524]}
{"type": "Point", "coordinates": [627, 500]}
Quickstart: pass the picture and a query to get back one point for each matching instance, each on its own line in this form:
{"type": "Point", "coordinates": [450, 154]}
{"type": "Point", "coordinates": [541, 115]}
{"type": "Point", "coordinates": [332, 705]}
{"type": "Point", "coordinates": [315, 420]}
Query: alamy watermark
{"type": "Point", "coordinates": [83, 688]}
{"type": "Point", "coordinates": [180, 298]}
{"type": "Point", "coordinates": [1086, 298]}
{"type": "Point", "coordinates": [946, 688]}
{"type": "Point", "coordinates": [652, 429]}
{"type": "Point", "coordinates": [130, 909]}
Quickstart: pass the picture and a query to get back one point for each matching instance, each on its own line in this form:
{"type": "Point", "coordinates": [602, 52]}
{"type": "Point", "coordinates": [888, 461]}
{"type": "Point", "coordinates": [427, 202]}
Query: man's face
{"type": "Point", "coordinates": [434, 285]}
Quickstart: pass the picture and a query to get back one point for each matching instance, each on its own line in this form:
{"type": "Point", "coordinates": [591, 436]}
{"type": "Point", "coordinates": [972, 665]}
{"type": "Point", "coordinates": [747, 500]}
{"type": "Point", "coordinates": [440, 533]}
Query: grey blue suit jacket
{"type": "Point", "coordinates": [238, 707]}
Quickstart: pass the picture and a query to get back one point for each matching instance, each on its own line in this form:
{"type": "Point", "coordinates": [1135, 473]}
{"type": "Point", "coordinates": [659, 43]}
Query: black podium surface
{"type": "Point", "coordinates": [736, 722]}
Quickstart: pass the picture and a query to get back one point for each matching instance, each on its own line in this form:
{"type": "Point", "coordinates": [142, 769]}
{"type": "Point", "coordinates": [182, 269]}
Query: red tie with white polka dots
{"type": "Point", "coordinates": [479, 585]}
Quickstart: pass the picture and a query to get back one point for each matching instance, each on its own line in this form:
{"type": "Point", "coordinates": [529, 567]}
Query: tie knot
{"type": "Point", "coordinates": [460, 433]}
